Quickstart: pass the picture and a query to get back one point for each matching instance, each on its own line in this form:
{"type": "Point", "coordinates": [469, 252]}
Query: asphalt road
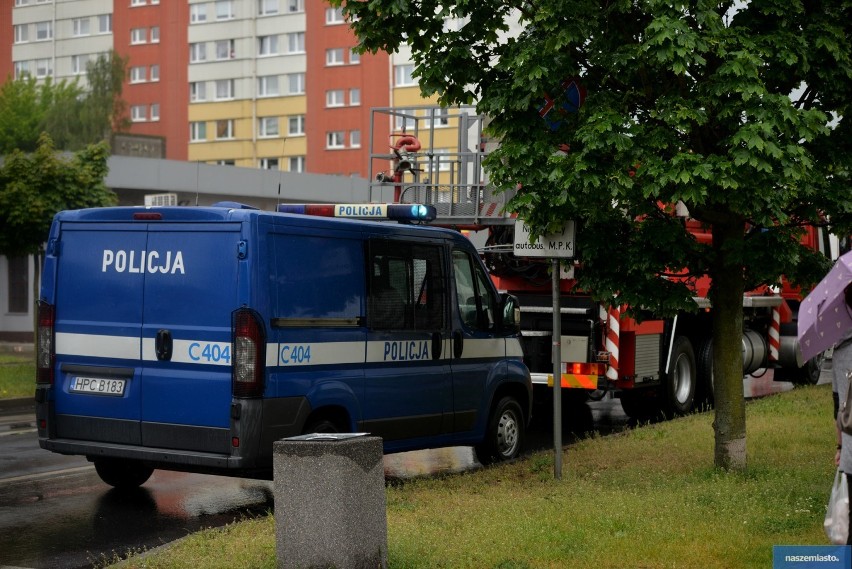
{"type": "Point", "coordinates": [56, 513]}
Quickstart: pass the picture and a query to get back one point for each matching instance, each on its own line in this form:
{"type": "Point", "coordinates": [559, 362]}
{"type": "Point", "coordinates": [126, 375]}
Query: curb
{"type": "Point", "coordinates": [17, 405]}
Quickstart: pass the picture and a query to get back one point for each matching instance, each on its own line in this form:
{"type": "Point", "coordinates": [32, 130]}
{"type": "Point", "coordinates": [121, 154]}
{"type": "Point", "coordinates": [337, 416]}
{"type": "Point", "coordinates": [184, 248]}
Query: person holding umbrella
{"type": "Point", "coordinates": [842, 364]}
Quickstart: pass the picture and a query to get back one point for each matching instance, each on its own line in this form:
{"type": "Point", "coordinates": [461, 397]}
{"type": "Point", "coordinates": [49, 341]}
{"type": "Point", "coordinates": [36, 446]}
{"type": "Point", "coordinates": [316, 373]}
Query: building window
{"type": "Point", "coordinates": [441, 118]}
{"type": "Point", "coordinates": [224, 89]}
{"type": "Point", "coordinates": [155, 34]}
{"type": "Point", "coordinates": [197, 13]}
{"type": "Point", "coordinates": [137, 2]}
{"type": "Point", "coordinates": [296, 42]}
{"type": "Point", "coordinates": [295, 5]}
{"type": "Point", "coordinates": [225, 49]}
{"type": "Point", "coordinates": [105, 24]}
{"type": "Point", "coordinates": [82, 26]}
{"type": "Point", "coordinates": [267, 45]}
{"type": "Point", "coordinates": [44, 31]}
{"type": "Point", "coordinates": [267, 7]}
{"type": "Point", "coordinates": [197, 91]}
{"type": "Point", "coordinates": [155, 111]}
{"type": "Point", "coordinates": [44, 68]}
{"type": "Point", "coordinates": [296, 83]}
{"type": "Point", "coordinates": [225, 162]}
{"type": "Point", "coordinates": [267, 86]}
{"type": "Point", "coordinates": [138, 113]}
{"type": "Point", "coordinates": [296, 164]}
{"type": "Point", "coordinates": [197, 131]}
{"type": "Point", "coordinates": [334, 56]}
{"type": "Point", "coordinates": [267, 126]}
{"type": "Point", "coordinates": [354, 97]}
{"type": "Point", "coordinates": [296, 125]}
{"type": "Point", "coordinates": [224, 129]}
{"type": "Point", "coordinates": [404, 120]}
{"type": "Point", "coordinates": [138, 74]}
{"type": "Point", "coordinates": [335, 139]}
{"type": "Point", "coordinates": [22, 33]}
{"type": "Point", "coordinates": [155, 72]}
{"type": "Point", "coordinates": [403, 75]}
{"type": "Point", "coordinates": [442, 159]}
{"type": "Point", "coordinates": [269, 163]}
{"type": "Point", "coordinates": [78, 64]}
{"type": "Point", "coordinates": [22, 68]}
{"type": "Point", "coordinates": [18, 269]}
{"type": "Point", "coordinates": [354, 56]}
{"type": "Point", "coordinates": [224, 9]}
{"type": "Point", "coordinates": [334, 16]}
{"type": "Point", "coordinates": [197, 52]}
{"type": "Point", "coordinates": [138, 35]}
{"type": "Point", "coordinates": [355, 138]}
{"type": "Point", "coordinates": [334, 98]}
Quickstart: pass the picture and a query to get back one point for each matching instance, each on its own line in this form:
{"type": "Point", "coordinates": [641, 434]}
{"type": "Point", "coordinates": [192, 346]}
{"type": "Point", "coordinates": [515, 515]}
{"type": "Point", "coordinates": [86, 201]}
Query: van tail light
{"type": "Point", "coordinates": [248, 352]}
{"type": "Point", "coordinates": [45, 343]}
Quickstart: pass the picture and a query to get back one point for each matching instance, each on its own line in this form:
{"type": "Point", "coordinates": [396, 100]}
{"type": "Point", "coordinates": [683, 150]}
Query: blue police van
{"type": "Point", "coordinates": [192, 338]}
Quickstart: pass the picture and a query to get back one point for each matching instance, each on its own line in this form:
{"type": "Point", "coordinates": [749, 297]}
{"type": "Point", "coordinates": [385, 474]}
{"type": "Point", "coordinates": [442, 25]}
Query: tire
{"type": "Point", "coordinates": [704, 365]}
{"type": "Point", "coordinates": [678, 395]}
{"type": "Point", "coordinates": [809, 373]}
{"type": "Point", "coordinates": [321, 426]}
{"type": "Point", "coordinates": [121, 473]}
{"type": "Point", "coordinates": [505, 433]}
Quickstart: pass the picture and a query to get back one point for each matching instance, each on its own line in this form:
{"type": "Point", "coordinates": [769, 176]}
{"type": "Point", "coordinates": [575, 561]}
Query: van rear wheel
{"type": "Point", "coordinates": [121, 473]}
{"type": "Point", "coordinates": [321, 426]}
{"type": "Point", "coordinates": [504, 435]}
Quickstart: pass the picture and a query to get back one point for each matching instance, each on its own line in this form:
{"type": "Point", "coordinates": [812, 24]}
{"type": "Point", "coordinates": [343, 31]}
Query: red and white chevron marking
{"type": "Point", "coordinates": [775, 335]}
{"type": "Point", "coordinates": [610, 319]}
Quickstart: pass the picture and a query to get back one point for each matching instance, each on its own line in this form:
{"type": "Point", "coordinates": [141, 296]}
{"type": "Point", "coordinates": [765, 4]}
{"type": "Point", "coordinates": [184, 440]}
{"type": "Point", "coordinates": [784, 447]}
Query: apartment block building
{"type": "Point", "coordinates": [269, 84]}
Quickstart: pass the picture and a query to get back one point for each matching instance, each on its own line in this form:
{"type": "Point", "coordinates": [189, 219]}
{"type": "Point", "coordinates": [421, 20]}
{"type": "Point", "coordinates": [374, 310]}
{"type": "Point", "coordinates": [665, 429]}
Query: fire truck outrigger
{"type": "Point", "coordinates": [434, 156]}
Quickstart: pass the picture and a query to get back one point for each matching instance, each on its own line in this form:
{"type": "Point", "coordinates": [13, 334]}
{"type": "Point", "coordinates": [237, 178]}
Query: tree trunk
{"type": "Point", "coordinates": [727, 297]}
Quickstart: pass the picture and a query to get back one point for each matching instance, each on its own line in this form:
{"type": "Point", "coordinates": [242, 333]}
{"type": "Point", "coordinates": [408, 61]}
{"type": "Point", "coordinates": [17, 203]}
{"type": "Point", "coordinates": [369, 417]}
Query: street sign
{"type": "Point", "coordinates": [553, 246]}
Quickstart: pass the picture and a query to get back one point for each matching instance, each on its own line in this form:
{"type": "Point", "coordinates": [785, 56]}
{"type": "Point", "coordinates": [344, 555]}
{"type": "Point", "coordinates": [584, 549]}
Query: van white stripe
{"type": "Point", "coordinates": [284, 354]}
{"type": "Point", "coordinates": [98, 346]}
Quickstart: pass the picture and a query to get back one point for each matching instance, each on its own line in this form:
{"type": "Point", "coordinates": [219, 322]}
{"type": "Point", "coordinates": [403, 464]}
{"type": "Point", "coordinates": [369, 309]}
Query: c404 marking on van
{"type": "Point", "coordinates": [295, 354]}
{"type": "Point", "coordinates": [209, 352]}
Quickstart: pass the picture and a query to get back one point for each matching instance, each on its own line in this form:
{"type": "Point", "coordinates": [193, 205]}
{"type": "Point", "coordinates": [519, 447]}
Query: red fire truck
{"type": "Point", "coordinates": [434, 155]}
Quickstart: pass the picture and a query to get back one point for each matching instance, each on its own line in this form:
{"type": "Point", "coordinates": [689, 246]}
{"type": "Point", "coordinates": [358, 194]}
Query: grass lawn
{"type": "Point", "coordinates": [645, 499]}
{"type": "Point", "coordinates": [17, 375]}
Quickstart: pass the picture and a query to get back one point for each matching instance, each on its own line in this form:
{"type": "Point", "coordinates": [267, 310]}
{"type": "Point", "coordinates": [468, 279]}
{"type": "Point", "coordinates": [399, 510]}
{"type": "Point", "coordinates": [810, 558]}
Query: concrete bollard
{"type": "Point", "coordinates": [330, 502]}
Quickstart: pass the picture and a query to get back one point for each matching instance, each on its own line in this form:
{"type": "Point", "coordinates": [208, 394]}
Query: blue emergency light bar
{"type": "Point", "coordinates": [397, 212]}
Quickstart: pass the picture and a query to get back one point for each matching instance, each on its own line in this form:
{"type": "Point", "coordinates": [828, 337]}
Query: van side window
{"type": "Point", "coordinates": [405, 288]}
{"type": "Point", "coordinates": [474, 295]}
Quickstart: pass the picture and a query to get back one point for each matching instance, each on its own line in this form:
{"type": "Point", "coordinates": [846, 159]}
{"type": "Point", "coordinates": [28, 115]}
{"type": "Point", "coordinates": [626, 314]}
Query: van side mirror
{"type": "Point", "coordinates": [510, 314]}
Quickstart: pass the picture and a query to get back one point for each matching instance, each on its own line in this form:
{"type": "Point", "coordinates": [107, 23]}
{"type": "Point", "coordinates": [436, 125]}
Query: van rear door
{"type": "Point", "coordinates": [98, 328]}
{"type": "Point", "coordinates": [191, 290]}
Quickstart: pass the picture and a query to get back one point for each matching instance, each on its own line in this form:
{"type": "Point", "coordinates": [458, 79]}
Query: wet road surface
{"type": "Point", "coordinates": [56, 512]}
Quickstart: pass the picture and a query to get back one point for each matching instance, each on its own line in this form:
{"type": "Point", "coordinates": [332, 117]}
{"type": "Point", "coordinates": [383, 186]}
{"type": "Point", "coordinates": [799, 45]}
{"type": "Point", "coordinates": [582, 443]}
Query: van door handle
{"type": "Point", "coordinates": [437, 345]}
{"type": "Point", "coordinates": [458, 343]}
{"type": "Point", "coordinates": [163, 345]}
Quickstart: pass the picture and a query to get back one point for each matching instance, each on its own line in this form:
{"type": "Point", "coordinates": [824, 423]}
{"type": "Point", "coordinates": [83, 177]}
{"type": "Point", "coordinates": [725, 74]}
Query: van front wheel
{"type": "Point", "coordinates": [504, 436]}
{"type": "Point", "coordinates": [123, 474]}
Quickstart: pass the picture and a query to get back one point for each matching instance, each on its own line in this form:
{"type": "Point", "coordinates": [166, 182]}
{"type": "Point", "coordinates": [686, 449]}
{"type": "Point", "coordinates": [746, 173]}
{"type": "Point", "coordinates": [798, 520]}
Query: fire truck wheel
{"type": "Point", "coordinates": [809, 373]}
{"type": "Point", "coordinates": [681, 381]}
{"type": "Point", "coordinates": [504, 436]}
{"type": "Point", "coordinates": [122, 474]}
{"type": "Point", "coordinates": [704, 364]}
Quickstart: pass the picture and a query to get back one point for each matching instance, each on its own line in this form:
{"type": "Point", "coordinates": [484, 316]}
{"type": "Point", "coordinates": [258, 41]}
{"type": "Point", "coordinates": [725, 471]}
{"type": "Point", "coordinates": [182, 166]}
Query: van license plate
{"type": "Point", "coordinates": [98, 386]}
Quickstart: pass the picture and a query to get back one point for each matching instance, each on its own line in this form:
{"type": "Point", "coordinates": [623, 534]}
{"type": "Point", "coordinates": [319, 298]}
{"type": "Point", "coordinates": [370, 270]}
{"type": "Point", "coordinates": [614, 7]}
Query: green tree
{"type": "Point", "coordinates": [739, 110]}
{"type": "Point", "coordinates": [25, 105]}
{"type": "Point", "coordinates": [35, 186]}
{"type": "Point", "coordinates": [72, 116]}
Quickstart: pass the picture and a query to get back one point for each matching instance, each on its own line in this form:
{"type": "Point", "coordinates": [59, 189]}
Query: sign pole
{"type": "Point", "coordinates": [557, 374]}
